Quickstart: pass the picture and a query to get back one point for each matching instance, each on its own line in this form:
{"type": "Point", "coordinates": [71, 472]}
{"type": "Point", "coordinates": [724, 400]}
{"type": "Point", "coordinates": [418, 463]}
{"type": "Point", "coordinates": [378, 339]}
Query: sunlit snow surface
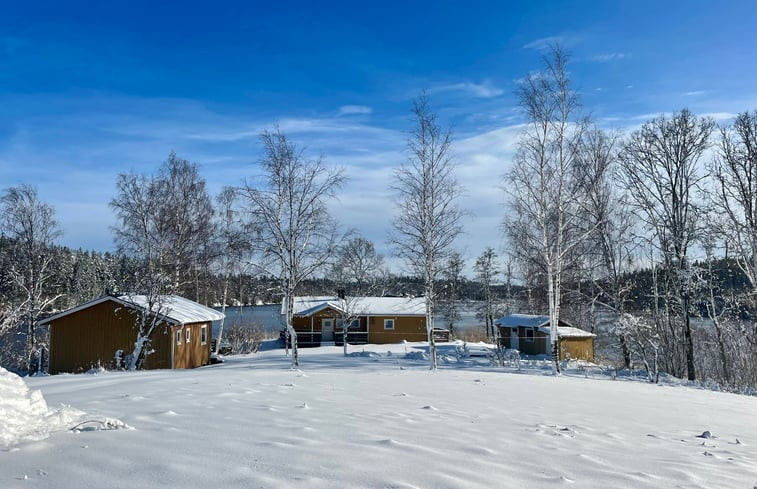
{"type": "Point", "coordinates": [384, 420]}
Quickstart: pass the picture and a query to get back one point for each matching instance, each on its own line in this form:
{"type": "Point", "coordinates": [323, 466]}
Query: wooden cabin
{"type": "Point", "coordinates": [530, 334]}
{"type": "Point", "coordinates": [320, 320]}
{"type": "Point", "coordinates": [103, 331]}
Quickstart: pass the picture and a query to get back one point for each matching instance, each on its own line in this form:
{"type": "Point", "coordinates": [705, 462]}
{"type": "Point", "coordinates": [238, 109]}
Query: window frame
{"type": "Point", "coordinates": [532, 337]}
{"type": "Point", "coordinates": [188, 335]}
{"type": "Point", "coordinates": [204, 334]}
{"type": "Point", "coordinates": [389, 321]}
{"type": "Point", "coordinates": [178, 336]}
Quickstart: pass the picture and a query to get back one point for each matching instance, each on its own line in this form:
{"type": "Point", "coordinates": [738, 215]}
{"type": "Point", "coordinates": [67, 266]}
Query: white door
{"type": "Point", "coordinates": [327, 330]}
{"type": "Point", "coordinates": [514, 339]}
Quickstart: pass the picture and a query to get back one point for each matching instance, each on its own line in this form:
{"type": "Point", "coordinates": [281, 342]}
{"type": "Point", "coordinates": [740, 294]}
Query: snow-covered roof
{"type": "Point", "coordinates": [177, 308]}
{"type": "Point", "coordinates": [373, 306]}
{"type": "Point", "coordinates": [568, 332]}
{"type": "Point", "coordinates": [174, 308]}
{"type": "Point", "coordinates": [526, 320]}
{"type": "Point", "coordinates": [541, 322]}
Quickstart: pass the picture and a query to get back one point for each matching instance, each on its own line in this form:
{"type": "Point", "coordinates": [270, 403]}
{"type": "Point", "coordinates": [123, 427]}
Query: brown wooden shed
{"type": "Point", "coordinates": [529, 334]}
{"type": "Point", "coordinates": [93, 333]}
{"type": "Point", "coordinates": [378, 320]}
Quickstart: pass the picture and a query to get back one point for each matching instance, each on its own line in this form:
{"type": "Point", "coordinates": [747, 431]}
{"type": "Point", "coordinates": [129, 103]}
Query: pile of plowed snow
{"type": "Point", "coordinates": [24, 414]}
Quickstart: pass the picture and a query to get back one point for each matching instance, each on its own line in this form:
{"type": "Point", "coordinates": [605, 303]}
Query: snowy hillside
{"type": "Point", "coordinates": [379, 420]}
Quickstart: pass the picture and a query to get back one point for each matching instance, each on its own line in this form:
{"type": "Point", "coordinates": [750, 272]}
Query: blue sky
{"type": "Point", "coordinates": [89, 90]}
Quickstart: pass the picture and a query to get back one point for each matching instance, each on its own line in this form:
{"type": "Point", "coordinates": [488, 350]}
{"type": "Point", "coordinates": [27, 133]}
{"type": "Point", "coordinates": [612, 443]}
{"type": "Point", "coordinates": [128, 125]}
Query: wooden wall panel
{"type": "Point", "coordinates": [91, 337]}
{"type": "Point", "coordinates": [192, 354]}
{"type": "Point", "coordinates": [577, 348]}
{"type": "Point", "coordinates": [408, 328]}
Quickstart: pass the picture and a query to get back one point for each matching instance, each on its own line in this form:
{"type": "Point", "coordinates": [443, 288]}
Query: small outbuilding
{"type": "Point", "coordinates": [530, 334]}
{"type": "Point", "coordinates": [102, 331]}
{"type": "Point", "coordinates": [320, 319]}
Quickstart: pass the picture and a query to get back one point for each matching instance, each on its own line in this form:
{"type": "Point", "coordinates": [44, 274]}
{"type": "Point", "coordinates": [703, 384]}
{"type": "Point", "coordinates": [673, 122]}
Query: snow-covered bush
{"type": "Point", "coordinates": [244, 340]}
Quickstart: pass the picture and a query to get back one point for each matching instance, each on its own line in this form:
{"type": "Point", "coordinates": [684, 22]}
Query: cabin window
{"type": "Point", "coordinates": [388, 323]}
{"type": "Point", "coordinates": [178, 337]}
{"type": "Point", "coordinates": [530, 335]}
{"type": "Point", "coordinates": [355, 323]}
{"type": "Point", "coordinates": [188, 330]}
{"type": "Point", "coordinates": [204, 335]}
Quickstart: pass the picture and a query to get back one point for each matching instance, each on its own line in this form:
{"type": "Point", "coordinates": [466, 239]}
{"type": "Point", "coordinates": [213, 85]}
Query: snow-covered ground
{"type": "Point", "coordinates": [376, 420]}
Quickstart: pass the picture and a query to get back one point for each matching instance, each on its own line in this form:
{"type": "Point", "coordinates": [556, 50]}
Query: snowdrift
{"type": "Point", "coordinates": [24, 414]}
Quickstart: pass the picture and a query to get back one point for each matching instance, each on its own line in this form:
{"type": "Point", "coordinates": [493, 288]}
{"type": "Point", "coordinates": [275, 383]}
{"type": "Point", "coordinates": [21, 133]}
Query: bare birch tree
{"type": "Point", "coordinates": [542, 186]}
{"type": "Point", "coordinates": [429, 219]}
{"type": "Point", "coordinates": [288, 205]}
{"type": "Point", "coordinates": [487, 269]}
{"type": "Point", "coordinates": [185, 212]}
{"type": "Point", "coordinates": [31, 225]}
{"type": "Point", "coordinates": [164, 220]}
{"type": "Point", "coordinates": [140, 236]}
{"type": "Point", "coordinates": [660, 166]}
{"type": "Point", "coordinates": [734, 169]}
{"type": "Point", "coordinates": [358, 272]}
{"type": "Point", "coordinates": [734, 202]}
{"type": "Point", "coordinates": [609, 251]}
{"type": "Point", "coordinates": [234, 245]}
{"type": "Point", "coordinates": [449, 297]}
{"type": "Point", "coordinates": [357, 267]}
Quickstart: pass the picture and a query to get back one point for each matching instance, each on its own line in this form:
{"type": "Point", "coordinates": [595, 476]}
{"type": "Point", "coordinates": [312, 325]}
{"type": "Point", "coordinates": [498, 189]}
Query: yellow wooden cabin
{"type": "Point", "coordinates": [530, 334]}
{"type": "Point", "coordinates": [92, 334]}
{"type": "Point", "coordinates": [320, 319]}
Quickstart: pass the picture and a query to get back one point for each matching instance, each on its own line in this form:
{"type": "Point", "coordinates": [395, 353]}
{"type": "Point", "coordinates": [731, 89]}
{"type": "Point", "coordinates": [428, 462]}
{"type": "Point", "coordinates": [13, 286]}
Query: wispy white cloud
{"type": "Point", "coordinates": [607, 57]}
{"type": "Point", "coordinates": [544, 43]}
{"type": "Point", "coordinates": [694, 93]}
{"type": "Point", "coordinates": [478, 90]}
{"type": "Point", "coordinates": [720, 116]}
{"type": "Point", "coordinates": [355, 110]}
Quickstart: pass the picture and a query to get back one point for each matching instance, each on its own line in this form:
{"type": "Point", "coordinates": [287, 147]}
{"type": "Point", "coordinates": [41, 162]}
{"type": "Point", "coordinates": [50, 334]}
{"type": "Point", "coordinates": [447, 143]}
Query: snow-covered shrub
{"type": "Point", "coordinates": [512, 358]}
{"type": "Point", "coordinates": [244, 340]}
{"type": "Point", "coordinates": [643, 343]}
{"type": "Point", "coordinates": [416, 355]}
{"type": "Point", "coordinates": [462, 351]}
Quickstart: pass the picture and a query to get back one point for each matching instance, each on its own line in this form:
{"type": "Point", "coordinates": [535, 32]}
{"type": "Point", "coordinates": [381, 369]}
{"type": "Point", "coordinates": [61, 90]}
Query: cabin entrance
{"type": "Point", "coordinates": [514, 344]}
{"type": "Point", "coordinates": [327, 330]}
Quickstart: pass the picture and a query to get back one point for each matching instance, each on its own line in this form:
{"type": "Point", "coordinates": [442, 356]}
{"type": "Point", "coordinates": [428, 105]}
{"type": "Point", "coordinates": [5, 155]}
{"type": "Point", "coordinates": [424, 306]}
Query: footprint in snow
{"type": "Point", "coordinates": [401, 394]}
{"type": "Point", "coordinates": [557, 430]}
{"type": "Point", "coordinates": [304, 405]}
{"type": "Point", "coordinates": [430, 408]}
